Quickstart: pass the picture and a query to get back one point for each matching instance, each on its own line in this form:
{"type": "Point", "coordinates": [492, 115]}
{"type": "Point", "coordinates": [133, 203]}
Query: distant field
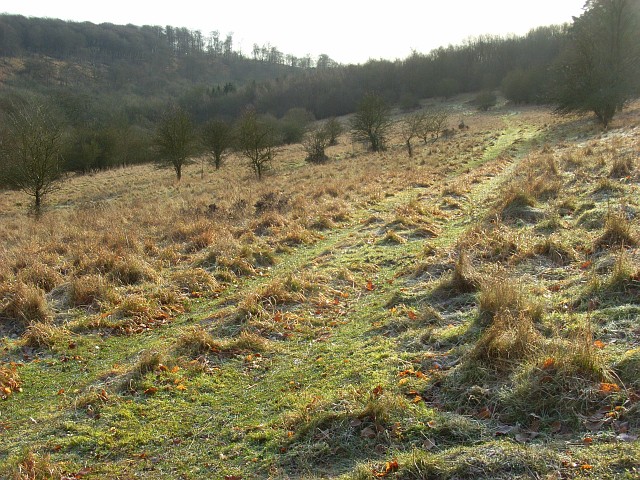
{"type": "Point", "coordinates": [470, 312]}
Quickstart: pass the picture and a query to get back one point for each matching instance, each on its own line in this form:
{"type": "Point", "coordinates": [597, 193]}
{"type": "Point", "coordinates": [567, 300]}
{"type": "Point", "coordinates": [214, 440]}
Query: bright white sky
{"type": "Point", "coordinates": [348, 31]}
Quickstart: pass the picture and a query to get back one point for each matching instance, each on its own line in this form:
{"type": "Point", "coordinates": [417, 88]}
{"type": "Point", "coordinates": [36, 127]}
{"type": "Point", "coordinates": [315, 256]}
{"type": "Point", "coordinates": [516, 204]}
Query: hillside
{"type": "Point", "coordinates": [470, 312]}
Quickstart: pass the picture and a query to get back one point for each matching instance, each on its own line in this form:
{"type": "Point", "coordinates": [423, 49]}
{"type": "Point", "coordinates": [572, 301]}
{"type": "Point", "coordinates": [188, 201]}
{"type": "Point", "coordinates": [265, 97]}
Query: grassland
{"type": "Point", "coordinates": [470, 312]}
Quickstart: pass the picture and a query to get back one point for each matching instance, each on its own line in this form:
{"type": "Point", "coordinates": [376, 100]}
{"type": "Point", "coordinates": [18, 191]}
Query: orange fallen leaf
{"type": "Point", "coordinates": [609, 387]}
{"type": "Point", "coordinates": [587, 440]}
{"type": "Point", "coordinates": [586, 466]}
{"type": "Point", "coordinates": [377, 391]}
{"type": "Point", "coordinates": [181, 387]}
{"type": "Point", "coordinates": [61, 391]}
{"type": "Point", "coordinates": [389, 467]}
{"type": "Point", "coordinates": [151, 391]}
{"type": "Point", "coordinates": [549, 363]}
{"type": "Point", "coordinates": [412, 315]}
{"type": "Point", "coordinates": [370, 287]}
{"type": "Point", "coordinates": [598, 344]}
{"type": "Point", "coordinates": [484, 413]}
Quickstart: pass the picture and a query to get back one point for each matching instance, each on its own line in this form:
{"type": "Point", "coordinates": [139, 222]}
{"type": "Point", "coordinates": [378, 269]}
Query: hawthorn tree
{"type": "Point", "coordinates": [31, 152]}
{"type": "Point", "coordinates": [175, 140]}
{"type": "Point", "coordinates": [372, 122]}
{"type": "Point", "coordinates": [217, 138]}
{"type": "Point", "coordinates": [333, 128]}
{"type": "Point", "coordinates": [314, 143]}
{"type": "Point", "coordinates": [256, 139]}
{"type": "Point", "coordinates": [598, 71]}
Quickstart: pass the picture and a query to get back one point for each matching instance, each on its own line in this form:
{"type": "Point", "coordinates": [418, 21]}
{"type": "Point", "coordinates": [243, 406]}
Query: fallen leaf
{"type": "Point", "coordinates": [377, 391]}
{"type": "Point", "coordinates": [368, 432]}
{"type": "Point", "coordinates": [503, 430]}
{"type": "Point", "coordinates": [484, 413]}
{"type": "Point", "coordinates": [356, 422]}
{"type": "Point", "coordinates": [389, 467]}
{"type": "Point", "coordinates": [586, 466]}
{"type": "Point", "coordinates": [599, 344]}
{"type": "Point", "coordinates": [428, 444]}
{"type": "Point", "coordinates": [587, 440]}
{"type": "Point", "coordinates": [82, 472]}
{"type": "Point", "coordinates": [61, 391]}
{"type": "Point", "coordinates": [412, 315]}
{"type": "Point", "coordinates": [621, 427]}
{"type": "Point", "coordinates": [609, 387]}
{"type": "Point", "coordinates": [181, 387]}
{"type": "Point", "coordinates": [549, 363]}
{"type": "Point", "coordinates": [370, 287]}
{"type": "Point", "coordinates": [151, 391]}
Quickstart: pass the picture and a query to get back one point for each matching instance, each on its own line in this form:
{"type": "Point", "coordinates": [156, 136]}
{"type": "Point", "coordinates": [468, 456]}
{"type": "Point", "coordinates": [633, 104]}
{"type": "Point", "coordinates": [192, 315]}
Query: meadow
{"type": "Point", "coordinates": [467, 312]}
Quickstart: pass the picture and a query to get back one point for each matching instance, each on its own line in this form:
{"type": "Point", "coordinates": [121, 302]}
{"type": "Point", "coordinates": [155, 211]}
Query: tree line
{"type": "Point", "coordinates": [591, 65]}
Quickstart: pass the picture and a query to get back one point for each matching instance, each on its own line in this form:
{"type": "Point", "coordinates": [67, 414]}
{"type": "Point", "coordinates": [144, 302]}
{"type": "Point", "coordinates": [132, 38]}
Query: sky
{"type": "Point", "coordinates": [348, 31]}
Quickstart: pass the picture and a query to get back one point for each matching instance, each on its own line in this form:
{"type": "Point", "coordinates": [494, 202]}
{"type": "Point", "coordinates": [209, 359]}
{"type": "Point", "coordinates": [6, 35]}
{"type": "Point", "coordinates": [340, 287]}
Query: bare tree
{"type": "Point", "coordinates": [175, 140]}
{"type": "Point", "coordinates": [256, 141]}
{"type": "Point", "coordinates": [432, 124]}
{"type": "Point", "coordinates": [32, 152]}
{"type": "Point", "coordinates": [411, 127]}
{"type": "Point", "coordinates": [217, 138]}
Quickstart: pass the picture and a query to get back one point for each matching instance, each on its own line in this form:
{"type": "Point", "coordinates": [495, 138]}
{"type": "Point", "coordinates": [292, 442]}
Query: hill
{"type": "Point", "coordinates": [469, 312]}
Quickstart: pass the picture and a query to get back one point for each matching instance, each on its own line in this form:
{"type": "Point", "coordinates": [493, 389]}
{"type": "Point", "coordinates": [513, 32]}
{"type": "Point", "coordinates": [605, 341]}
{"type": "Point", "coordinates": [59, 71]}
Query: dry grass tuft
{"type": "Point", "coordinates": [44, 335]}
{"type": "Point", "coordinates": [508, 339]}
{"type": "Point", "coordinates": [555, 251]}
{"type": "Point", "coordinates": [622, 166]}
{"type": "Point", "coordinates": [391, 237]}
{"type": "Point", "coordinates": [40, 275]}
{"type": "Point", "coordinates": [31, 466]}
{"type": "Point", "coordinates": [23, 304]}
{"type": "Point", "coordinates": [627, 368]}
{"type": "Point", "coordinates": [194, 281]}
{"type": "Point", "coordinates": [464, 278]}
{"type": "Point", "coordinates": [617, 232]}
{"type": "Point", "coordinates": [501, 295]}
{"type": "Point", "coordinates": [196, 341]}
{"type": "Point", "coordinates": [89, 291]}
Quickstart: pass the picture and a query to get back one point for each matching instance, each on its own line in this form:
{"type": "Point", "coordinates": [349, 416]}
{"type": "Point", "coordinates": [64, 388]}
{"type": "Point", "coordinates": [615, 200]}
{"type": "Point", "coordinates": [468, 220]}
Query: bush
{"type": "Point", "coordinates": [485, 100]}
